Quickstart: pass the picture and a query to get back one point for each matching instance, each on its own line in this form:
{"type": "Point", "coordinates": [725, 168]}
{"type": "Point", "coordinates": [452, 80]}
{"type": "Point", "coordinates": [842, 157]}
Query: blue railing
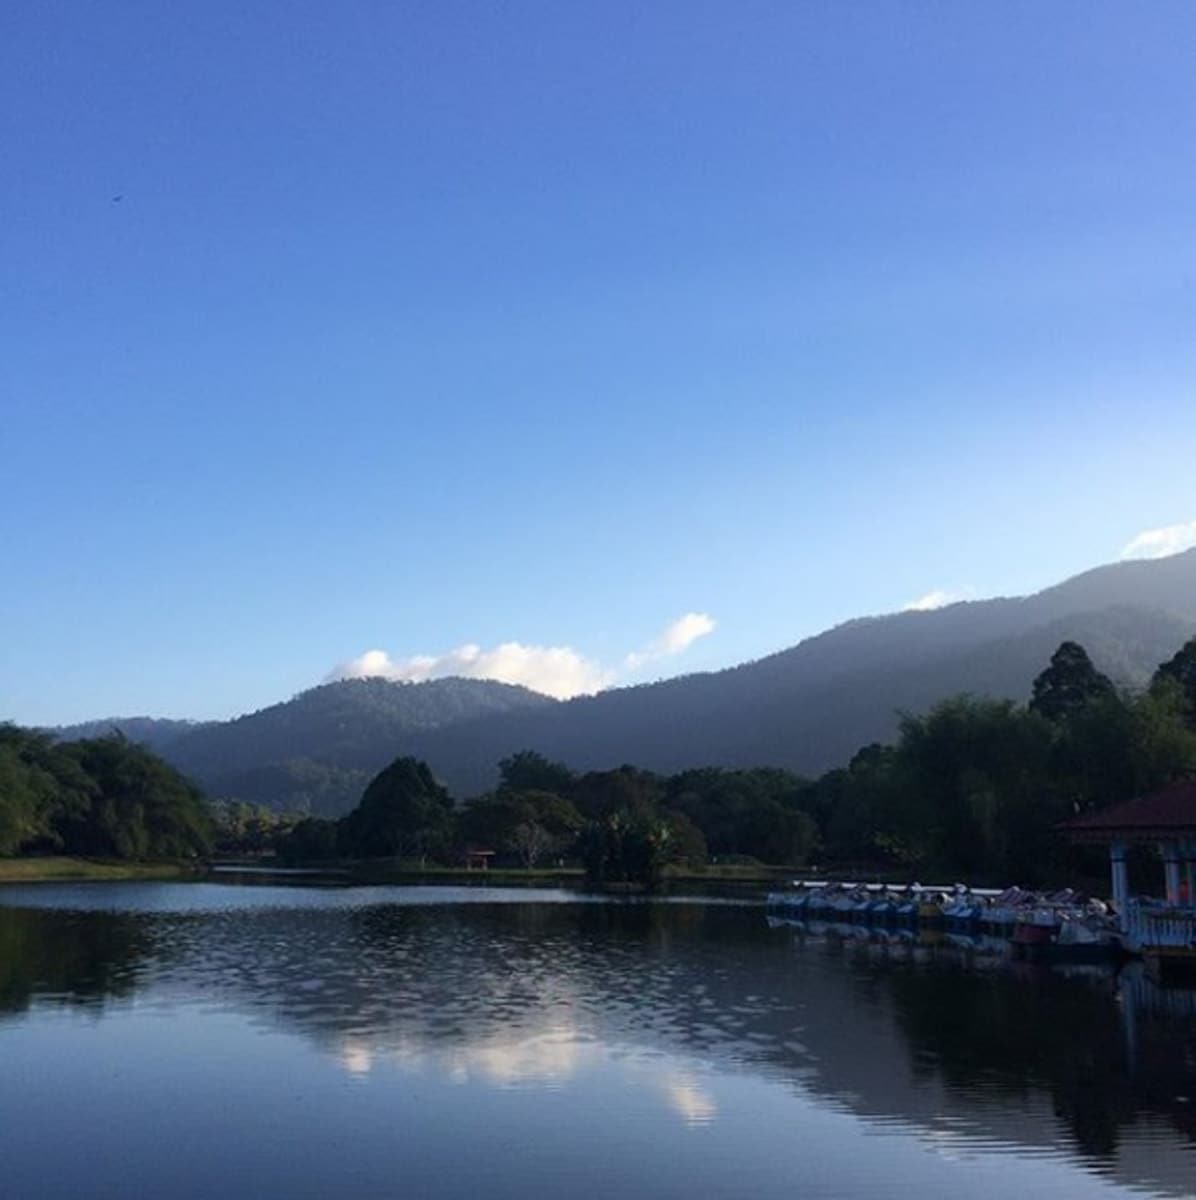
{"type": "Point", "coordinates": [1153, 925]}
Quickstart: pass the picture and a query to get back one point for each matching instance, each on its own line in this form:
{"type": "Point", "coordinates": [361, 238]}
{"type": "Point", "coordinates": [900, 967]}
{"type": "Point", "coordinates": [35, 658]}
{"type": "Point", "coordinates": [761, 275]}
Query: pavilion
{"type": "Point", "coordinates": [478, 859]}
{"type": "Point", "coordinates": [1166, 819]}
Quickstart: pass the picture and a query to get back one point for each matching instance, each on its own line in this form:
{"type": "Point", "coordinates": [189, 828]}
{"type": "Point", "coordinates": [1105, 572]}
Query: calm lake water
{"type": "Point", "coordinates": [223, 1040]}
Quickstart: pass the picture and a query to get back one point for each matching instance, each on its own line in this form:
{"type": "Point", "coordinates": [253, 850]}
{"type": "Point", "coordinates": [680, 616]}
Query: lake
{"type": "Point", "coordinates": [227, 1040]}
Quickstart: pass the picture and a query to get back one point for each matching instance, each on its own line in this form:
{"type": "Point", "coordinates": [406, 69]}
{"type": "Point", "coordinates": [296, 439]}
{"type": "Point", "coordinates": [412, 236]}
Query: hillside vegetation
{"type": "Point", "coordinates": [975, 789]}
{"type": "Point", "coordinates": [316, 752]}
{"type": "Point", "coordinates": [806, 709]}
{"type": "Point", "coordinates": [810, 707]}
{"type": "Point", "coordinates": [99, 797]}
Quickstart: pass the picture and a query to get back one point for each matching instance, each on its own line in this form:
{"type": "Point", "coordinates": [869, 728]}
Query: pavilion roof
{"type": "Point", "coordinates": [1167, 814]}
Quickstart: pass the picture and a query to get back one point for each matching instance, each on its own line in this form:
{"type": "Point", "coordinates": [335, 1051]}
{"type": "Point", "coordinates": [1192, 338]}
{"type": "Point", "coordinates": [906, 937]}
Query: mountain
{"type": "Point", "coordinates": [342, 723]}
{"type": "Point", "coordinates": [812, 706]}
{"type": "Point", "coordinates": [808, 708]}
{"type": "Point", "coordinates": [319, 750]}
{"type": "Point", "coordinates": [157, 733]}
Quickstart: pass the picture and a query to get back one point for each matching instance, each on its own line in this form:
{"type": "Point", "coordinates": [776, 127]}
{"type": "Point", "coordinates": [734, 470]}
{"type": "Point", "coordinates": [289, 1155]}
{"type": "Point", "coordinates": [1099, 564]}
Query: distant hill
{"type": "Point", "coordinates": [812, 706]}
{"type": "Point", "coordinates": [807, 708]}
{"type": "Point", "coordinates": [155, 732]}
{"type": "Point", "coordinates": [318, 750]}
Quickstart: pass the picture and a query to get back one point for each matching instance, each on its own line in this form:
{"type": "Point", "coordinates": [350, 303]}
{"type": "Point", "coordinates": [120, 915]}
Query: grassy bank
{"type": "Point", "coordinates": [39, 870]}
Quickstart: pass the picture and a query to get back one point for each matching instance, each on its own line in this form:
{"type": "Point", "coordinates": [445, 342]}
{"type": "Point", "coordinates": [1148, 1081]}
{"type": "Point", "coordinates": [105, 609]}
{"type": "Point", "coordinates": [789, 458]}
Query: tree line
{"type": "Point", "coordinates": [100, 797]}
{"type": "Point", "coordinates": [974, 788]}
{"type": "Point", "coordinates": [978, 788]}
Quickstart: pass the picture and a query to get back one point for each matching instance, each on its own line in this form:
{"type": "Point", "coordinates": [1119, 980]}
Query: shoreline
{"type": "Point", "coordinates": [357, 873]}
{"type": "Point", "coordinates": [68, 869]}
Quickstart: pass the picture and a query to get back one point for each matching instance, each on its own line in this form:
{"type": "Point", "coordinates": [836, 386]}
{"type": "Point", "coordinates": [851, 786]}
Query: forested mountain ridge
{"type": "Point", "coordinates": [317, 751]}
{"type": "Point", "coordinates": [156, 733]}
{"type": "Point", "coordinates": [780, 712]}
{"type": "Point", "coordinates": [810, 707]}
{"type": "Point", "coordinates": [344, 723]}
{"type": "Point", "coordinates": [807, 708]}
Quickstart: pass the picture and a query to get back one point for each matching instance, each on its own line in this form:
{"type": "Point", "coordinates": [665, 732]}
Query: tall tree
{"type": "Point", "coordinates": [25, 799]}
{"type": "Point", "coordinates": [1179, 672]}
{"type": "Point", "coordinates": [626, 789]}
{"type": "Point", "coordinates": [974, 778]}
{"type": "Point", "coordinates": [314, 839]}
{"type": "Point", "coordinates": [1069, 684]}
{"type": "Point", "coordinates": [140, 806]}
{"type": "Point", "coordinates": [745, 812]}
{"type": "Point", "coordinates": [529, 771]}
{"type": "Point", "coordinates": [404, 813]}
{"type": "Point", "coordinates": [529, 824]}
{"type": "Point", "coordinates": [625, 847]}
{"type": "Point", "coordinates": [41, 785]}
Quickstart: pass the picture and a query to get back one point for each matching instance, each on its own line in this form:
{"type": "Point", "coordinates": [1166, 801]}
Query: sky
{"type": "Point", "coordinates": [574, 344]}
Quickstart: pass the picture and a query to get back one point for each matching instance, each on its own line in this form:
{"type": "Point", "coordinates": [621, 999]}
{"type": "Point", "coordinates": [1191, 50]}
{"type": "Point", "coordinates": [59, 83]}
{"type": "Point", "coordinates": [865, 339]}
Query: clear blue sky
{"type": "Point", "coordinates": [333, 327]}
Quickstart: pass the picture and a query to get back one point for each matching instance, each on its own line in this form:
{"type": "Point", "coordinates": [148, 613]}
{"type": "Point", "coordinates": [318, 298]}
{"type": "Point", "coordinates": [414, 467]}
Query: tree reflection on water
{"type": "Point", "coordinates": [520, 994]}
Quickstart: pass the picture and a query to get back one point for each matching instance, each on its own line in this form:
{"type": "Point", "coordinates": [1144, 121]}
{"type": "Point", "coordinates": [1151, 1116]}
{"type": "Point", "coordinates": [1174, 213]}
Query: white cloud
{"type": "Point", "coordinates": [554, 670]}
{"type": "Point", "coordinates": [1160, 543]}
{"type": "Point", "coordinates": [684, 631]}
{"type": "Point", "coordinates": [677, 636]}
{"type": "Point", "coordinates": [558, 671]}
{"type": "Point", "coordinates": [938, 598]}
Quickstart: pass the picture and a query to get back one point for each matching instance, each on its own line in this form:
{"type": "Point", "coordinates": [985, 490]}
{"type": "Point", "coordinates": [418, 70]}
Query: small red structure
{"type": "Point", "coordinates": [478, 860]}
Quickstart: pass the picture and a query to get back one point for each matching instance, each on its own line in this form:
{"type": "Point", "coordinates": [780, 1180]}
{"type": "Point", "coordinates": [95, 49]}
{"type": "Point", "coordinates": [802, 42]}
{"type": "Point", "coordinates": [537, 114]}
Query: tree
{"type": "Point", "coordinates": [403, 813]}
{"type": "Point", "coordinates": [248, 828]}
{"type": "Point", "coordinates": [529, 771]}
{"type": "Point", "coordinates": [600, 844]}
{"type": "Point", "coordinates": [489, 821]}
{"type": "Point", "coordinates": [1179, 672]}
{"type": "Point", "coordinates": [102, 796]}
{"type": "Point", "coordinates": [648, 847]}
{"type": "Point", "coordinates": [531, 841]}
{"type": "Point", "coordinates": [626, 789]}
{"type": "Point", "coordinates": [1123, 747]}
{"type": "Point", "coordinates": [752, 812]}
{"type": "Point", "coordinates": [1164, 740]}
{"type": "Point", "coordinates": [314, 839]}
{"type": "Point", "coordinates": [688, 841]}
{"type": "Point", "coordinates": [972, 788]}
{"type": "Point", "coordinates": [138, 806]}
{"type": "Point", "coordinates": [1069, 684]}
{"type": "Point", "coordinates": [864, 819]}
{"type": "Point", "coordinates": [296, 785]}
{"type": "Point", "coordinates": [530, 824]}
{"type": "Point", "coordinates": [25, 800]}
{"type": "Point", "coordinates": [41, 785]}
{"type": "Point", "coordinates": [623, 847]}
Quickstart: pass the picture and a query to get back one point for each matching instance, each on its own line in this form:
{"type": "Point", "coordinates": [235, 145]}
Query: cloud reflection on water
{"type": "Point", "coordinates": [523, 996]}
{"type": "Point", "coordinates": [550, 1059]}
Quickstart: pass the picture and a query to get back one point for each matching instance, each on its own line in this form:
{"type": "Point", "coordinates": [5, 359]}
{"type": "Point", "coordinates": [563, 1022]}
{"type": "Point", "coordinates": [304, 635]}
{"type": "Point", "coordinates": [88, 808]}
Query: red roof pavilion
{"type": "Point", "coordinates": [1165, 815]}
{"type": "Point", "coordinates": [1166, 818]}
